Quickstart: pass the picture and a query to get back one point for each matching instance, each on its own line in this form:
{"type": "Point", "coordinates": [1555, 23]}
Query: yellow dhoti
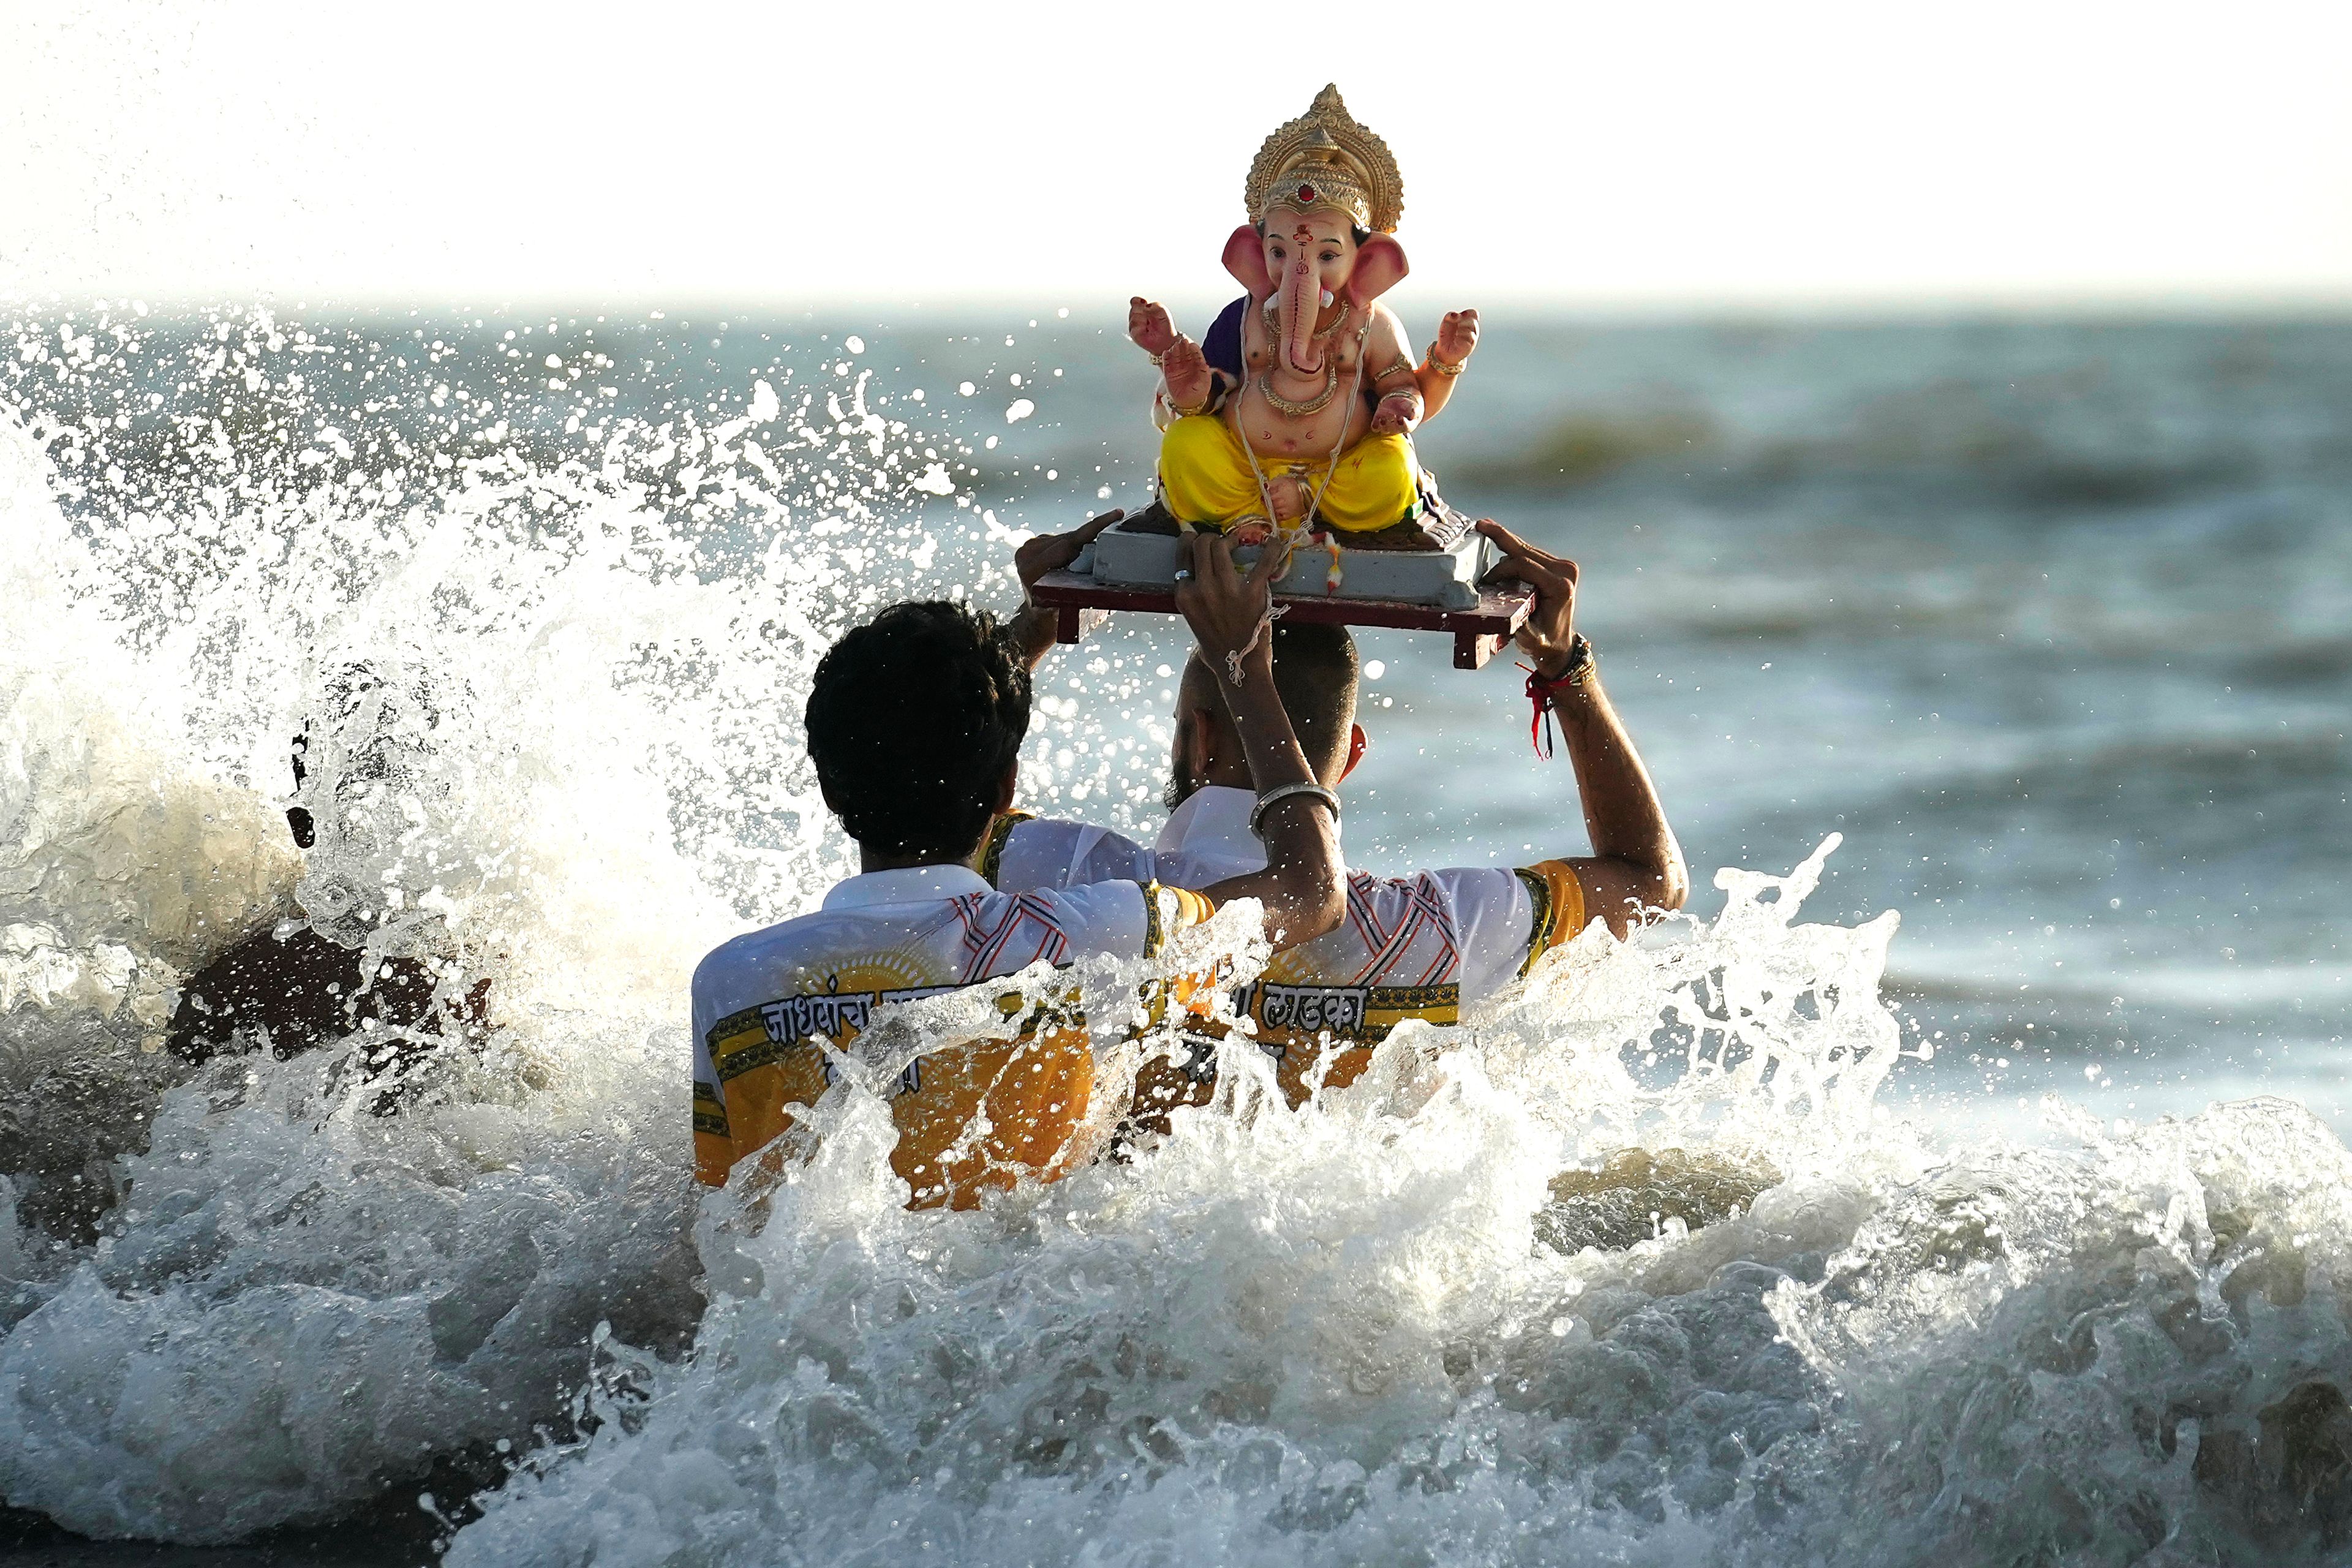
{"type": "Point", "coordinates": [1206, 477]}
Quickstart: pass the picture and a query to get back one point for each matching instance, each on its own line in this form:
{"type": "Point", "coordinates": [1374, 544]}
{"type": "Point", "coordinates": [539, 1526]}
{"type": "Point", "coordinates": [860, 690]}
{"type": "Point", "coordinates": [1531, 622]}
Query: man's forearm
{"type": "Point", "coordinates": [1635, 863]}
{"type": "Point", "coordinates": [1268, 743]}
{"type": "Point", "coordinates": [1031, 632]}
{"type": "Point", "coordinates": [1622, 814]}
{"type": "Point", "coordinates": [1300, 886]}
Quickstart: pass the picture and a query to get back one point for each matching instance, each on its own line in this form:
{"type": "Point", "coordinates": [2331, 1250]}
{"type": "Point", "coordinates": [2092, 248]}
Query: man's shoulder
{"type": "Point", "coordinates": [1473, 926]}
{"type": "Point", "coordinates": [822, 929]}
{"type": "Point", "coordinates": [1026, 853]}
{"type": "Point", "coordinates": [810, 939]}
{"type": "Point", "coordinates": [758, 947]}
{"type": "Point", "coordinates": [1488, 906]}
{"type": "Point", "coordinates": [955, 940]}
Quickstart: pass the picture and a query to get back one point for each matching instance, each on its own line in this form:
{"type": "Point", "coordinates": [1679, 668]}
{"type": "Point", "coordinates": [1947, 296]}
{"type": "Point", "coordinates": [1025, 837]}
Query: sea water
{"type": "Point", "coordinates": [1757, 1239]}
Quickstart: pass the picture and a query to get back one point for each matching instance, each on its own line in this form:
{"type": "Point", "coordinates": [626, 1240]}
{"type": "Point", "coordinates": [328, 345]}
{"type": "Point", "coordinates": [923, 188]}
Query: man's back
{"type": "Point", "coordinates": [1422, 946]}
{"type": "Point", "coordinates": [764, 1001]}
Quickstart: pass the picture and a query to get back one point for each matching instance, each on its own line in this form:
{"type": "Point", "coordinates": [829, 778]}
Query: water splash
{"type": "Point", "coordinates": [1333, 1336]}
{"type": "Point", "coordinates": [246, 1296]}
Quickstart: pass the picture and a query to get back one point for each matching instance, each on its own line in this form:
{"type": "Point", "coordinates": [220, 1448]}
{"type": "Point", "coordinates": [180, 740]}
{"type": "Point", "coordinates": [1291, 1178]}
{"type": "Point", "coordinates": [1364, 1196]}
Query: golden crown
{"type": "Point", "coordinates": [1324, 159]}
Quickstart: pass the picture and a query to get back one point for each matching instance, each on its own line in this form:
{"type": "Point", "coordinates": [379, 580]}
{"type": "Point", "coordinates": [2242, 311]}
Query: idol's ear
{"type": "Point", "coordinates": [1246, 260]}
{"type": "Point", "coordinates": [1380, 266]}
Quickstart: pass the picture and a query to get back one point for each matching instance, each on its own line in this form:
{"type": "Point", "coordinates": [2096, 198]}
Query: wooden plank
{"type": "Point", "coordinates": [1478, 632]}
{"type": "Point", "coordinates": [1472, 649]}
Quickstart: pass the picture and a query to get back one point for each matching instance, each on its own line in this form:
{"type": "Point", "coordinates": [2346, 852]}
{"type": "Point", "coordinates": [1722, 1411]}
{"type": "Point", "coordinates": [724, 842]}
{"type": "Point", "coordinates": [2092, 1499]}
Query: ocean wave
{"type": "Point", "coordinates": [2184, 989]}
{"type": "Point", "coordinates": [242, 1295]}
{"type": "Point", "coordinates": [1341, 1336]}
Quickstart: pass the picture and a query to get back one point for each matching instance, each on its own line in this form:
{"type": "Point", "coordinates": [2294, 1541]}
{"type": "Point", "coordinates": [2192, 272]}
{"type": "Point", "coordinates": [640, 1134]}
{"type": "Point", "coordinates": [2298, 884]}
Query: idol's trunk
{"type": "Point", "coordinates": [1300, 302]}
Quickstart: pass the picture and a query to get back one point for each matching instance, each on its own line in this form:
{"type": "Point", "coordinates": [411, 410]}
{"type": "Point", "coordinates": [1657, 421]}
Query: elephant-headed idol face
{"type": "Point", "coordinates": [1304, 261]}
{"type": "Point", "coordinates": [1313, 251]}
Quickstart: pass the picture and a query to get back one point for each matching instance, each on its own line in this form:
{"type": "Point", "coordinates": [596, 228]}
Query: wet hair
{"type": "Point", "coordinates": [912, 721]}
{"type": "Point", "coordinates": [1315, 671]}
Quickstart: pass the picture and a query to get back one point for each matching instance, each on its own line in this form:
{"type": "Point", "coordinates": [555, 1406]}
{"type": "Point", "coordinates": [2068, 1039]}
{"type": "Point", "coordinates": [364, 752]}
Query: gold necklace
{"type": "Point", "coordinates": [1273, 321]}
{"type": "Point", "coordinates": [1312, 405]}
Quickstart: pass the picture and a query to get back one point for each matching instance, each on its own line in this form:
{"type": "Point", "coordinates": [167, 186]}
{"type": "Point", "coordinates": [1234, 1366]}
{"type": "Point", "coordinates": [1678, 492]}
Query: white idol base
{"type": "Point", "coordinates": [1443, 579]}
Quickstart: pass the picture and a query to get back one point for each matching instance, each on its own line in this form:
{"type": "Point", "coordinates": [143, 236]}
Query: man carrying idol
{"type": "Point", "coordinates": [915, 723]}
{"type": "Point", "coordinates": [1423, 945]}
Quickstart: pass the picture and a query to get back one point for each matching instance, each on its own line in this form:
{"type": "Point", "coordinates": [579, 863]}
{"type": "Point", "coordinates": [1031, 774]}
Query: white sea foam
{"type": "Point", "coordinates": [244, 1298]}
{"type": "Point", "coordinates": [1333, 1336]}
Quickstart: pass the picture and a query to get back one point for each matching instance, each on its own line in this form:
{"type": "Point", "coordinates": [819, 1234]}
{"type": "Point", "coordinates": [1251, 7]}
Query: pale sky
{"type": "Point", "coordinates": [1798, 153]}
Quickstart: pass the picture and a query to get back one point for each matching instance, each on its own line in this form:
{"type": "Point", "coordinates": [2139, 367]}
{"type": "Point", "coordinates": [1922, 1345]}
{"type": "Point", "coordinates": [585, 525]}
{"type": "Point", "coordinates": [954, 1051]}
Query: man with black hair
{"type": "Point", "coordinates": [915, 721]}
{"type": "Point", "coordinates": [1421, 946]}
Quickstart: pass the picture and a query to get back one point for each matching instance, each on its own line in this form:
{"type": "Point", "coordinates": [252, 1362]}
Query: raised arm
{"type": "Point", "coordinates": [1187, 383]}
{"type": "Point", "coordinates": [1388, 367]}
{"type": "Point", "coordinates": [1300, 886]}
{"type": "Point", "coordinates": [1030, 632]}
{"type": "Point", "coordinates": [1635, 863]}
{"type": "Point", "coordinates": [1457, 339]}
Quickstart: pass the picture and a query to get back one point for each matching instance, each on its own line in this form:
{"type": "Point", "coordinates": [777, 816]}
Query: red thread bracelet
{"type": "Point", "coordinates": [1542, 689]}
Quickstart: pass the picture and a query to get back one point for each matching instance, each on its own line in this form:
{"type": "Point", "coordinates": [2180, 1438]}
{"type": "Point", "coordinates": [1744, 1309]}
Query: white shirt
{"type": "Point", "coordinates": [764, 1000]}
{"type": "Point", "coordinates": [1422, 946]}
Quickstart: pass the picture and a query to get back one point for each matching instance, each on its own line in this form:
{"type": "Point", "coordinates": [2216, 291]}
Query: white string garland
{"type": "Point", "coordinates": [1264, 625]}
{"type": "Point", "coordinates": [1291, 536]}
{"type": "Point", "coordinates": [1298, 532]}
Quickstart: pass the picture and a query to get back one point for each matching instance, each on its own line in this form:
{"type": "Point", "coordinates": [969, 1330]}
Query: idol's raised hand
{"type": "Point", "coordinates": [1184, 369]}
{"type": "Point", "coordinates": [1458, 335]}
{"type": "Point", "coordinates": [1148, 327]}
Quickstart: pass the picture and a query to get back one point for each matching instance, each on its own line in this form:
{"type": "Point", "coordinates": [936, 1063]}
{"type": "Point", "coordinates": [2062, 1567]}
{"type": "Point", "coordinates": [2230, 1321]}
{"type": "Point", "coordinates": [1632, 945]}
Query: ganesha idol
{"type": "Point", "coordinates": [1296, 413]}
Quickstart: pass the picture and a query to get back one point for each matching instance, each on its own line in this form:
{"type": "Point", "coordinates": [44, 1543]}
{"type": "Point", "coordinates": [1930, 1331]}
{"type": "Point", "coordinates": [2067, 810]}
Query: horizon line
{"type": "Point", "coordinates": [2301, 303]}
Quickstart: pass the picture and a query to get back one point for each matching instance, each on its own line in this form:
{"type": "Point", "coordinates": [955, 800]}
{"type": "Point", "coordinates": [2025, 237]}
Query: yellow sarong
{"type": "Point", "coordinates": [1206, 477]}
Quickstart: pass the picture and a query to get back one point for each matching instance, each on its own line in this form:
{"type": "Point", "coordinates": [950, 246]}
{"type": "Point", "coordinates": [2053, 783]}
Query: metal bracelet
{"type": "Point", "coordinates": [1441, 367]}
{"type": "Point", "coordinates": [1582, 662]}
{"type": "Point", "coordinates": [1281, 793]}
